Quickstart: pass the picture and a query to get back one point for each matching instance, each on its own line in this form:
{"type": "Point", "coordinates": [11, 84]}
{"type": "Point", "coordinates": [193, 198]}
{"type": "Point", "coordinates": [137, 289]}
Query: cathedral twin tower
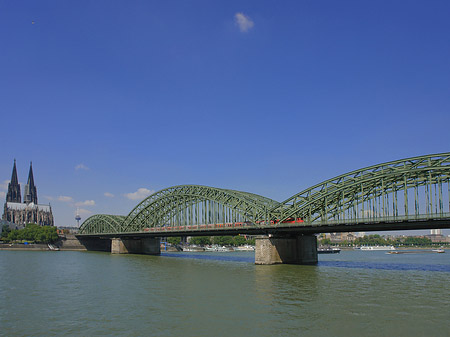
{"type": "Point", "coordinates": [29, 211]}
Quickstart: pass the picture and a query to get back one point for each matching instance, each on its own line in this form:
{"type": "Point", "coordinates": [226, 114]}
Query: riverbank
{"type": "Point", "coordinates": [66, 245]}
{"type": "Point", "coordinates": [21, 246]}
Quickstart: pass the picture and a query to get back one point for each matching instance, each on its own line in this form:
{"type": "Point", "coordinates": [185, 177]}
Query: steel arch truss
{"type": "Point", "coordinates": [193, 205]}
{"type": "Point", "coordinates": [409, 188]}
{"type": "Point", "coordinates": [102, 223]}
{"type": "Point", "coordinates": [412, 189]}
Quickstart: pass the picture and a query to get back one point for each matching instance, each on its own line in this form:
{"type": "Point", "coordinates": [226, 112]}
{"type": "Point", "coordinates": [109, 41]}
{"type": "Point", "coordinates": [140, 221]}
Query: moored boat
{"type": "Point", "coordinates": [328, 250]}
{"type": "Point", "coordinates": [377, 248]}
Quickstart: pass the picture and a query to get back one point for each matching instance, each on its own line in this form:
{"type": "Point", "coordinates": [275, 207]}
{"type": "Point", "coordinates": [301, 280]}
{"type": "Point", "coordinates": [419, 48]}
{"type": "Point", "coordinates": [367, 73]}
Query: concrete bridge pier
{"type": "Point", "coordinates": [295, 249]}
{"type": "Point", "coordinates": [148, 246]}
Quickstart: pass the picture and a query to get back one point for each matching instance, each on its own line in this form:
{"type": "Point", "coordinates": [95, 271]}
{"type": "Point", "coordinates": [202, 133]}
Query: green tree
{"type": "Point", "coordinates": [371, 240]}
{"type": "Point", "coordinates": [174, 240]}
{"type": "Point", "coordinates": [201, 240]}
{"type": "Point", "coordinates": [417, 241]}
{"type": "Point", "coordinates": [5, 231]}
{"type": "Point", "coordinates": [251, 242]}
{"type": "Point", "coordinates": [223, 240]}
{"type": "Point", "coordinates": [239, 240]}
{"type": "Point", "coordinates": [325, 242]}
{"type": "Point", "coordinates": [34, 233]}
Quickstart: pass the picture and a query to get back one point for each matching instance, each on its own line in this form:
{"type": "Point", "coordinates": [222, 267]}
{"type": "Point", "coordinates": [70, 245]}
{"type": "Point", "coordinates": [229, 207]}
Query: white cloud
{"type": "Point", "coordinates": [4, 185]}
{"type": "Point", "coordinates": [82, 211]}
{"type": "Point", "coordinates": [48, 197]}
{"type": "Point", "coordinates": [64, 198]}
{"type": "Point", "coordinates": [2, 194]}
{"type": "Point", "coordinates": [244, 22]}
{"type": "Point", "coordinates": [81, 167]}
{"type": "Point", "coordinates": [140, 194]}
{"type": "Point", "coordinates": [85, 203]}
{"type": "Point", "coordinates": [109, 195]}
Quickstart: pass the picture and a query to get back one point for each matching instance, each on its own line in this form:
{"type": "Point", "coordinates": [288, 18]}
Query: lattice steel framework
{"type": "Point", "coordinates": [190, 205]}
{"type": "Point", "coordinates": [102, 223]}
{"type": "Point", "coordinates": [411, 188]}
{"type": "Point", "coordinates": [416, 188]}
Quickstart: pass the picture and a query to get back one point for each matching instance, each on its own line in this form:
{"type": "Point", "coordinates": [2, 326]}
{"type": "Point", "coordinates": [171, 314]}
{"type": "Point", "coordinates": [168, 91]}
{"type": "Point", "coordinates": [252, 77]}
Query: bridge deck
{"type": "Point", "coordinates": [353, 225]}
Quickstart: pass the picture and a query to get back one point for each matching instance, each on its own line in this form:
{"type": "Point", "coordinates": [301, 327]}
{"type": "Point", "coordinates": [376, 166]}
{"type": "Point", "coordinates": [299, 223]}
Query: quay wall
{"type": "Point", "coordinates": [21, 246]}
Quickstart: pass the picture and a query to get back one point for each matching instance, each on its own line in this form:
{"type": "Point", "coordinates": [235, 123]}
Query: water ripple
{"type": "Point", "coordinates": [385, 266]}
{"type": "Point", "coordinates": [337, 264]}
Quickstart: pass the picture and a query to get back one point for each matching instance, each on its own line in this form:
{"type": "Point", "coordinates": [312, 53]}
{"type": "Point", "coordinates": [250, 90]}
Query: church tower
{"type": "Point", "coordinates": [30, 195]}
{"type": "Point", "coordinates": [19, 214]}
{"type": "Point", "coordinates": [13, 194]}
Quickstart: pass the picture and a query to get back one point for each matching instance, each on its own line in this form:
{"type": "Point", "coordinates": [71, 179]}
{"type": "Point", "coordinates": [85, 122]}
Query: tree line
{"type": "Point", "coordinates": [32, 233]}
{"type": "Point", "coordinates": [235, 241]}
{"type": "Point", "coordinates": [377, 240]}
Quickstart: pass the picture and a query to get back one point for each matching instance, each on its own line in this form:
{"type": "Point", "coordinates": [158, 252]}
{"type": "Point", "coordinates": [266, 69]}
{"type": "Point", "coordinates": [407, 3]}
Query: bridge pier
{"type": "Point", "coordinates": [95, 244]}
{"type": "Point", "coordinates": [297, 249]}
{"type": "Point", "coordinates": [148, 246]}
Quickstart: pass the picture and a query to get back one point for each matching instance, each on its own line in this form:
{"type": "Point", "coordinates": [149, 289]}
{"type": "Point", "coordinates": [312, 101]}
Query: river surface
{"type": "Point", "coordinates": [354, 293]}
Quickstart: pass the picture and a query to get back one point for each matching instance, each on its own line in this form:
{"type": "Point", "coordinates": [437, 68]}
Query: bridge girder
{"type": "Point", "coordinates": [102, 223]}
{"type": "Point", "coordinates": [332, 198]}
{"type": "Point", "coordinates": [371, 191]}
{"type": "Point", "coordinates": [168, 204]}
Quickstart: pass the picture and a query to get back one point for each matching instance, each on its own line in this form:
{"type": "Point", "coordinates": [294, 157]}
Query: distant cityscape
{"type": "Point", "coordinates": [18, 214]}
{"type": "Point", "coordinates": [435, 236]}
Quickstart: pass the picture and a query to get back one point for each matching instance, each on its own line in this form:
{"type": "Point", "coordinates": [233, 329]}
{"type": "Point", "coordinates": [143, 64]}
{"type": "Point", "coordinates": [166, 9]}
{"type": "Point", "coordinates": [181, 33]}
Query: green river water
{"type": "Point", "coordinates": [354, 293]}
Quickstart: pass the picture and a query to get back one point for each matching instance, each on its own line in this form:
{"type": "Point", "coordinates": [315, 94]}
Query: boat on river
{"type": "Point", "coordinates": [245, 248]}
{"type": "Point", "coordinates": [370, 248]}
{"type": "Point", "coordinates": [328, 250]}
{"type": "Point", "coordinates": [416, 251]}
{"type": "Point", "coordinates": [216, 248]}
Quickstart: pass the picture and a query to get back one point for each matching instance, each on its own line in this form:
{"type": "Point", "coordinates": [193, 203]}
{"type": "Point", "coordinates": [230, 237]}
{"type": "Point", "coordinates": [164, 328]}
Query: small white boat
{"type": "Point", "coordinates": [328, 250]}
{"type": "Point", "coordinates": [216, 248]}
{"type": "Point", "coordinates": [377, 248]}
{"type": "Point", "coordinates": [245, 248]}
{"type": "Point", "coordinates": [438, 250]}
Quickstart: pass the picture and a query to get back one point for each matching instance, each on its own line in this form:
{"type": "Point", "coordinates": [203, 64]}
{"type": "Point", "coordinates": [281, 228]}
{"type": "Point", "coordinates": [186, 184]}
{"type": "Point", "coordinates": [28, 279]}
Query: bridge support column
{"type": "Point", "coordinates": [148, 246]}
{"type": "Point", "coordinates": [300, 249]}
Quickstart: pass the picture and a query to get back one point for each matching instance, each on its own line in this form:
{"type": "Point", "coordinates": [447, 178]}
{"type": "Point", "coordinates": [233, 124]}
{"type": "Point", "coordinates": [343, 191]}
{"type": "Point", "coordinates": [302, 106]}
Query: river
{"type": "Point", "coordinates": [354, 293]}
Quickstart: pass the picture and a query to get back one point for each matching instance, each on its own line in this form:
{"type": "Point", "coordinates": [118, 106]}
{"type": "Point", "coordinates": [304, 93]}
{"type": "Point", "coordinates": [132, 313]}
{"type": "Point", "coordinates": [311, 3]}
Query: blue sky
{"type": "Point", "coordinates": [263, 96]}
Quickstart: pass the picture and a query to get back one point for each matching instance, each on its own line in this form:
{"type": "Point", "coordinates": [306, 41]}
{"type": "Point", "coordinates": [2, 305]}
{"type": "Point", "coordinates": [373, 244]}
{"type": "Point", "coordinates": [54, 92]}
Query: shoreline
{"type": "Point", "coordinates": [36, 247]}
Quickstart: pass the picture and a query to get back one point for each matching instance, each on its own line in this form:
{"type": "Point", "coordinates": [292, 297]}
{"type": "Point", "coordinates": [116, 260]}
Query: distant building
{"type": "Point", "coordinates": [438, 238]}
{"type": "Point", "coordinates": [436, 232]}
{"type": "Point", "coordinates": [342, 237]}
{"type": "Point", "coordinates": [29, 211]}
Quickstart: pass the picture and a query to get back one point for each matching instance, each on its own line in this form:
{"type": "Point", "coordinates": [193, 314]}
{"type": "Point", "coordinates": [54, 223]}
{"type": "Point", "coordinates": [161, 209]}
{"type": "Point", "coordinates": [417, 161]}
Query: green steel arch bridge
{"type": "Point", "coordinates": [412, 193]}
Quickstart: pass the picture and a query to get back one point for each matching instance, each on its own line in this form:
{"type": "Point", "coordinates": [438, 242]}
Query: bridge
{"type": "Point", "coordinates": [412, 193]}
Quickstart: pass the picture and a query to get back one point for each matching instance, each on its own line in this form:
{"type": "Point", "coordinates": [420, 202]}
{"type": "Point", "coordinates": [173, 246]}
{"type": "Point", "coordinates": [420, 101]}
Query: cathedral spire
{"type": "Point", "coordinates": [13, 194]}
{"type": "Point", "coordinates": [30, 189]}
{"type": "Point", "coordinates": [14, 179]}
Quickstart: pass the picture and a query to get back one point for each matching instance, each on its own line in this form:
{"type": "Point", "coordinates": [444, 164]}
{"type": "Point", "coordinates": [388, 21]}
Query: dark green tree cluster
{"type": "Point", "coordinates": [377, 240]}
{"type": "Point", "coordinates": [416, 241]}
{"type": "Point", "coordinates": [371, 240]}
{"type": "Point", "coordinates": [5, 231]}
{"type": "Point", "coordinates": [174, 240]}
{"type": "Point", "coordinates": [235, 241]}
{"type": "Point", "coordinates": [32, 233]}
{"type": "Point", "coordinates": [201, 240]}
{"type": "Point", "coordinates": [325, 242]}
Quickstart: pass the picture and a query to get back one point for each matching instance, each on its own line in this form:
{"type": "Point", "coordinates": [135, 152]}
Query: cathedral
{"type": "Point", "coordinates": [29, 211]}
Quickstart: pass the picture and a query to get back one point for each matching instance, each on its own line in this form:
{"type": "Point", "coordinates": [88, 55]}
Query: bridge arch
{"type": "Point", "coordinates": [102, 223]}
{"type": "Point", "coordinates": [391, 189]}
{"type": "Point", "coordinates": [193, 204]}
{"type": "Point", "coordinates": [412, 189]}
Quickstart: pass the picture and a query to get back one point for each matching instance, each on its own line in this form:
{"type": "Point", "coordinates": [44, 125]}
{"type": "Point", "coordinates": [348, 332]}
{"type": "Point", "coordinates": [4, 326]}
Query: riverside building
{"type": "Point", "coordinates": [28, 211]}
